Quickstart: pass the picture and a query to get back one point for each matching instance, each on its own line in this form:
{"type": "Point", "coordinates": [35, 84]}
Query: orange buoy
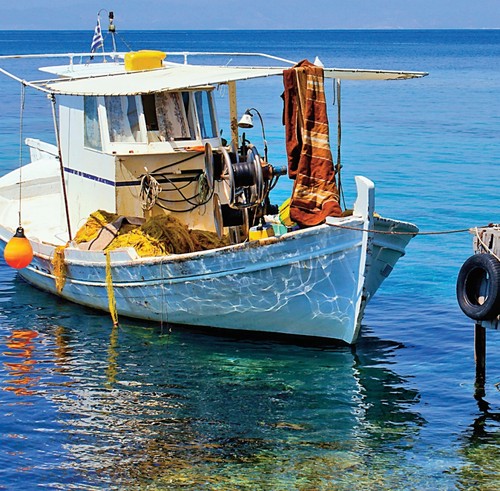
{"type": "Point", "coordinates": [18, 252]}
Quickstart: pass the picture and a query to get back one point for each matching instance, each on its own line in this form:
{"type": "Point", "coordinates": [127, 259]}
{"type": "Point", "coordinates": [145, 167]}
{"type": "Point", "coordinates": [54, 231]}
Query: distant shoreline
{"type": "Point", "coordinates": [381, 29]}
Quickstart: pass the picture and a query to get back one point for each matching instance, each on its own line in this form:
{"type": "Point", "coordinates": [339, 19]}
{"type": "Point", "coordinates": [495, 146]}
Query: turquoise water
{"type": "Point", "coordinates": [84, 405]}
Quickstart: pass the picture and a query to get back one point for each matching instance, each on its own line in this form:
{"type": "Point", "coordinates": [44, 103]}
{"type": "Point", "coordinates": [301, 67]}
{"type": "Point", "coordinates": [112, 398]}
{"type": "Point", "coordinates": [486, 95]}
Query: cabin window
{"type": "Point", "coordinates": [187, 100]}
{"type": "Point", "coordinates": [123, 119]}
{"type": "Point", "coordinates": [92, 133]}
{"type": "Point", "coordinates": [149, 108]}
{"type": "Point", "coordinates": [172, 116]}
{"type": "Point", "coordinates": [172, 113]}
{"type": "Point", "coordinates": [206, 117]}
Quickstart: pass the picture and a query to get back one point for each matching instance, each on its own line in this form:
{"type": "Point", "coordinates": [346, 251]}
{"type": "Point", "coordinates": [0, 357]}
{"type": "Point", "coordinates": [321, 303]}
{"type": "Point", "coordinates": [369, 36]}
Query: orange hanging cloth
{"type": "Point", "coordinates": [315, 195]}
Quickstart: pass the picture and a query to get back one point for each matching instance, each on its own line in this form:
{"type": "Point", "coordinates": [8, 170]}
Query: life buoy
{"type": "Point", "coordinates": [478, 287]}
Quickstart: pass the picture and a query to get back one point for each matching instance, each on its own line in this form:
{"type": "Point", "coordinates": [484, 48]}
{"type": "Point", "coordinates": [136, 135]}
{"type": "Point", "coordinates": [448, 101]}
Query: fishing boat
{"type": "Point", "coordinates": [137, 138]}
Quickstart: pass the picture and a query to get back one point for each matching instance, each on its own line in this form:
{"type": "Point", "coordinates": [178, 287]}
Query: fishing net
{"type": "Point", "coordinates": [158, 236]}
{"type": "Point", "coordinates": [110, 291]}
{"type": "Point", "coordinates": [96, 221]}
{"type": "Point", "coordinates": [59, 268]}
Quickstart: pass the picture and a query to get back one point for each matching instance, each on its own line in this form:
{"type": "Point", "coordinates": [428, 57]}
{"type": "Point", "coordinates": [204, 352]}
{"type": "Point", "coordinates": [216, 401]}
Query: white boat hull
{"type": "Point", "coordinates": [311, 282]}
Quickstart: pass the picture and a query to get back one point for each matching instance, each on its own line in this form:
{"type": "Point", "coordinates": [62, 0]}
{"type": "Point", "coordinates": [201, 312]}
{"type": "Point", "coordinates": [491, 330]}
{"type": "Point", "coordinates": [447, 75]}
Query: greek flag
{"type": "Point", "coordinates": [97, 40]}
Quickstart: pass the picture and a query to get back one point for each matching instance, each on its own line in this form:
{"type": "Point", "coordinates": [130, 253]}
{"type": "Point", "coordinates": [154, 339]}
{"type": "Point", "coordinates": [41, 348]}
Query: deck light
{"type": "Point", "coordinates": [246, 120]}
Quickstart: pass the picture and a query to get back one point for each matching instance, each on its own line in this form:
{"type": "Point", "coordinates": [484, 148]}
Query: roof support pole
{"type": "Point", "coordinates": [61, 165]}
{"type": "Point", "coordinates": [233, 113]}
{"type": "Point", "coordinates": [338, 167]}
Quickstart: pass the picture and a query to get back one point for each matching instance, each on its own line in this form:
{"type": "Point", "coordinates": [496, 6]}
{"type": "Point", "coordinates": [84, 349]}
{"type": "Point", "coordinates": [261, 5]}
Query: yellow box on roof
{"type": "Point", "coordinates": [143, 60]}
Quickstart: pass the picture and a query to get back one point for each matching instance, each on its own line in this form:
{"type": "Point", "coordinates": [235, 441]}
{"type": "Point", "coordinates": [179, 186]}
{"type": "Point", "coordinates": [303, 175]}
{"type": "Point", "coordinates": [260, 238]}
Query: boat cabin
{"type": "Point", "coordinates": [113, 142]}
{"type": "Point", "coordinates": [142, 140]}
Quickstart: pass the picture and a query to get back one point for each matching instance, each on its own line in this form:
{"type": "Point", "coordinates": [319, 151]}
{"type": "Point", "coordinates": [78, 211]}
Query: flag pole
{"type": "Point", "coordinates": [97, 40]}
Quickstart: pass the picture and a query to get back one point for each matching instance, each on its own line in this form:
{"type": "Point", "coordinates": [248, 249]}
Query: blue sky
{"type": "Point", "coordinates": [253, 14]}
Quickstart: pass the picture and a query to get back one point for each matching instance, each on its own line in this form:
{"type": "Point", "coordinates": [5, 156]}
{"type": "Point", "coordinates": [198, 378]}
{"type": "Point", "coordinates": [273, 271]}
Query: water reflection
{"type": "Point", "coordinates": [480, 448]}
{"type": "Point", "coordinates": [388, 398]}
{"type": "Point", "coordinates": [133, 406]}
{"type": "Point", "coordinates": [19, 362]}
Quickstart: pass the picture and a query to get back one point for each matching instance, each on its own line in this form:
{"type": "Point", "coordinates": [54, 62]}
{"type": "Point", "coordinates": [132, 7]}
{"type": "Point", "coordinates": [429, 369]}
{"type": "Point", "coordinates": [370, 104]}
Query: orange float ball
{"type": "Point", "coordinates": [18, 252]}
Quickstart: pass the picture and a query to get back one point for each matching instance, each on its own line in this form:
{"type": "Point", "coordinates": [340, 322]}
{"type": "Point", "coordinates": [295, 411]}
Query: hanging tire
{"type": "Point", "coordinates": [478, 287]}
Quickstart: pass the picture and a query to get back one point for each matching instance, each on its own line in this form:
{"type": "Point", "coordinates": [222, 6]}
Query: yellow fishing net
{"type": "Point", "coordinates": [158, 236]}
{"type": "Point", "coordinates": [59, 267]}
{"type": "Point", "coordinates": [94, 223]}
{"type": "Point", "coordinates": [111, 293]}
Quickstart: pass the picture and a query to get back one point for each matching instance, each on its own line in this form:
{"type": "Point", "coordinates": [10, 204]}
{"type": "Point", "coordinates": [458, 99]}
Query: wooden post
{"type": "Point", "coordinates": [480, 359]}
{"type": "Point", "coordinates": [233, 113]}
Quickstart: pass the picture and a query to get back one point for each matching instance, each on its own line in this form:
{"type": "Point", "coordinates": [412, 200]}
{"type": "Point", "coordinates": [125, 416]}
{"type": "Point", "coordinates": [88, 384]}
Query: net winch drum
{"type": "Point", "coordinates": [225, 216]}
{"type": "Point", "coordinates": [244, 180]}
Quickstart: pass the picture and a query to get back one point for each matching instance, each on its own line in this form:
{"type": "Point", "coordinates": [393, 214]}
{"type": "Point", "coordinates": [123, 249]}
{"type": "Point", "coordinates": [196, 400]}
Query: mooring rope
{"type": "Point", "coordinates": [395, 232]}
{"type": "Point", "coordinates": [59, 267]}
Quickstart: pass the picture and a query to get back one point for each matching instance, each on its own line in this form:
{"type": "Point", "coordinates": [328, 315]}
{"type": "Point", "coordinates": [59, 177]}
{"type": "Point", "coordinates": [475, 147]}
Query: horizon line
{"type": "Point", "coordinates": [275, 29]}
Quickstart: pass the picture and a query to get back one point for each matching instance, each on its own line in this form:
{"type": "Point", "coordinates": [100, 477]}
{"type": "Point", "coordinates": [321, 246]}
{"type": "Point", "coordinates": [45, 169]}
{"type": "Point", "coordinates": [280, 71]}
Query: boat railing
{"type": "Point", "coordinates": [186, 54]}
{"type": "Point", "coordinates": [40, 149]}
{"type": "Point", "coordinates": [121, 54]}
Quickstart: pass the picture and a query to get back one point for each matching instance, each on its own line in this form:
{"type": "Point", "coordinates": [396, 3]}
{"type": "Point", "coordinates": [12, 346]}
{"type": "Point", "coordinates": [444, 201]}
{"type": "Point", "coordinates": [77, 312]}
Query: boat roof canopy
{"type": "Point", "coordinates": [111, 78]}
{"type": "Point", "coordinates": [169, 78]}
{"type": "Point", "coordinates": [181, 77]}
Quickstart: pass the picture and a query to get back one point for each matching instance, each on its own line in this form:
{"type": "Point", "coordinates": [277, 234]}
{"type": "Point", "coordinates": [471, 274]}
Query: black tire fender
{"type": "Point", "coordinates": [478, 287]}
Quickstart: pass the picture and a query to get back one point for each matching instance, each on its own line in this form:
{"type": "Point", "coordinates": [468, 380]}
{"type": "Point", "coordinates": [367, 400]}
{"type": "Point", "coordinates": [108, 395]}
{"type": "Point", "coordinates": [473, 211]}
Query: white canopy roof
{"type": "Point", "coordinates": [360, 74]}
{"type": "Point", "coordinates": [178, 77]}
{"type": "Point", "coordinates": [162, 79]}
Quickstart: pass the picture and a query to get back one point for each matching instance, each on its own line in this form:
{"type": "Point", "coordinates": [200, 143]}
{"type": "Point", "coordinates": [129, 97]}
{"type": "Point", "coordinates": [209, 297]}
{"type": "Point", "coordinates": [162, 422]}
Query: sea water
{"type": "Point", "coordinates": [85, 405]}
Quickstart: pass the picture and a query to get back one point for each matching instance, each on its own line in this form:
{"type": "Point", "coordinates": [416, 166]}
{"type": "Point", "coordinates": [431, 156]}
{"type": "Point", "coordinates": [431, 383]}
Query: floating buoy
{"type": "Point", "coordinates": [18, 252]}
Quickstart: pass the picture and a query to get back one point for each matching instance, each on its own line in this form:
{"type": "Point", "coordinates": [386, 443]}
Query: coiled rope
{"type": "Point", "coordinates": [150, 190]}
